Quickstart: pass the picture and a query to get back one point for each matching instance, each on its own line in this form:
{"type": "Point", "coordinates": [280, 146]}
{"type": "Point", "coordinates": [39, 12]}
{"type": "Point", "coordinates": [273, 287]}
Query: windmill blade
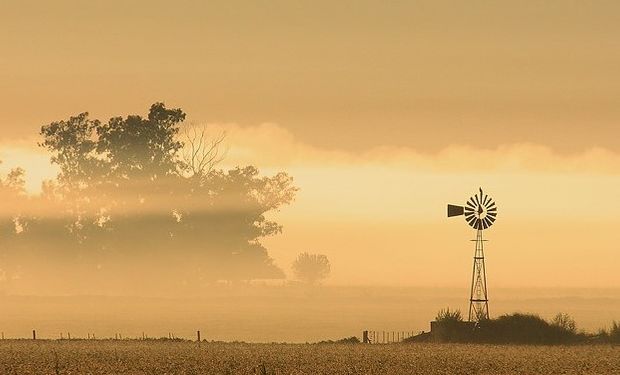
{"type": "Point", "coordinates": [455, 210]}
{"type": "Point", "coordinates": [484, 224]}
{"type": "Point", "coordinates": [489, 202]}
{"type": "Point", "coordinates": [491, 219]}
{"type": "Point", "coordinates": [479, 224]}
{"type": "Point", "coordinates": [485, 200]}
{"type": "Point", "coordinates": [494, 209]}
{"type": "Point", "coordinates": [487, 222]}
{"type": "Point", "coordinates": [477, 201]}
{"type": "Point", "coordinates": [492, 214]}
{"type": "Point", "coordinates": [492, 204]}
{"type": "Point", "coordinates": [469, 210]}
{"type": "Point", "coordinates": [471, 221]}
{"type": "Point", "coordinates": [473, 202]}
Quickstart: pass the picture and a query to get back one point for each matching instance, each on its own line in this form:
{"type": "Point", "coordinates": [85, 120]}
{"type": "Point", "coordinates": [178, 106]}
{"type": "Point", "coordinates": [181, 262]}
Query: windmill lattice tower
{"type": "Point", "coordinates": [480, 213]}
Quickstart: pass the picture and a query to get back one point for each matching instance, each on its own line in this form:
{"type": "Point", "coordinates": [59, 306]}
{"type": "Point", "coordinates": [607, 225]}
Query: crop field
{"type": "Point", "coordinates": [169, 357]}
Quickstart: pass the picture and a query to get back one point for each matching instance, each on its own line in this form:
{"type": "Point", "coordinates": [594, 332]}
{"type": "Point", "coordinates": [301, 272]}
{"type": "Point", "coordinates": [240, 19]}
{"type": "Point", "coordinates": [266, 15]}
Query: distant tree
{"type": "Point", "coordinates": [311, 268]}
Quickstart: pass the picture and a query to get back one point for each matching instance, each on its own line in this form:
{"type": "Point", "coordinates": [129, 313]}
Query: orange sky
{"type": "Point", "coordinates": [384, 112]}
{"type": "Point", "coordinates": [343, 75]}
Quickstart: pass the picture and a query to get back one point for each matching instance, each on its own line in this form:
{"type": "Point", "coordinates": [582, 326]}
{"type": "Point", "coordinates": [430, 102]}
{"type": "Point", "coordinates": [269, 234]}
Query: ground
{"type": "Point", "coordinates": [167, 357]}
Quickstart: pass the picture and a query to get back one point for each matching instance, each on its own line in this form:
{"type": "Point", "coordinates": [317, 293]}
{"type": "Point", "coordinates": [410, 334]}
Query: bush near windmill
{"type": "Point", "coordinates": [515, 328]}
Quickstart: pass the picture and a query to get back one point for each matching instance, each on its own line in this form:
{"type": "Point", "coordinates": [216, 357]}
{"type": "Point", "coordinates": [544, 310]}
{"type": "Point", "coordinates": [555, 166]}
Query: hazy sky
{"type": "Point", "coordinates": [343, 75]}
{"type": "Point", "coordinates": [383, 111]}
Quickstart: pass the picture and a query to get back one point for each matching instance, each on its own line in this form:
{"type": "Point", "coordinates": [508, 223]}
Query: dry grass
{"type": "Point", "coordinates": [145, 357]}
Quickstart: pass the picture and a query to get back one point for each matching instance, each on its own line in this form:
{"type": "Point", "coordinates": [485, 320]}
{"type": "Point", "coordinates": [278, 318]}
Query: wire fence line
{"type": "Point", "coordinates": [91, 336]}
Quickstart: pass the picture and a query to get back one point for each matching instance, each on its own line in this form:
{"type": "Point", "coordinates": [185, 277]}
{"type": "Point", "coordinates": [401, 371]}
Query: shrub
{"type": "Point", "coordinates": [528, 329]}
{"type": "Point", "coordinates": [346, 340]}
{"type": "Point", "coordinates": [564, 322]}
{"type": "Point", "coordinates": [447, 315]}
{"type": "Point", "coordinates": [614, 333]}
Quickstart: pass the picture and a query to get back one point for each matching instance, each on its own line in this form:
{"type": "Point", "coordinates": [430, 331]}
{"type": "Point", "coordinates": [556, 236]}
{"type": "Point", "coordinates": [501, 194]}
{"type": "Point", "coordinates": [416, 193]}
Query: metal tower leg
{"type": "Point", "coordinates": [479, 299]}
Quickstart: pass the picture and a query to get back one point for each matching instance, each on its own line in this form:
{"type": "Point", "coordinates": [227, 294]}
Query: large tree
{"type": "Point", "coordinates": [124, 205]}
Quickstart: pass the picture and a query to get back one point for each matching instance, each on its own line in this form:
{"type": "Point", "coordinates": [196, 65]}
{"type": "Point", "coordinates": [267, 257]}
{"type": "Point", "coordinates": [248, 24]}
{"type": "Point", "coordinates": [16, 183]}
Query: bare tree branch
{"type": "Point", "coordinates": [201, 154]}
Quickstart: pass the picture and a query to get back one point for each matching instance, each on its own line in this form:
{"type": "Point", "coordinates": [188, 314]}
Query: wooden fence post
{"type": "Point", "coordinates": [198, 335]}
{"type": "Point", "coordinates": [34, 334]}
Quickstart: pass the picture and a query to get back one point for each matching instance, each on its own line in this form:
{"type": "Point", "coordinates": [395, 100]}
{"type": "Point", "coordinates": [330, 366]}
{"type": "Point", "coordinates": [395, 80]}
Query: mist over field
{"type": "Point", "coordinates": [286, 314]}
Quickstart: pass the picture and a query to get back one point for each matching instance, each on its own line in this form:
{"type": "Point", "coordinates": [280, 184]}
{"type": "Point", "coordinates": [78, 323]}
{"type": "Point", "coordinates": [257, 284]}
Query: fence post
{"type": "Point", "coordinates": [34, 334]}
{"type": "Point", "coordinates": [198, 335]}
{"type": "Point", "coordinates": [69, 335]}
{"type": "Point", "coordinates": [365, 337]}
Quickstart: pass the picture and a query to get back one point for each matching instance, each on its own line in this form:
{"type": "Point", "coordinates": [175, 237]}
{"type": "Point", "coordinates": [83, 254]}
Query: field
{"type": "Point", "coordinates": [166, 357]}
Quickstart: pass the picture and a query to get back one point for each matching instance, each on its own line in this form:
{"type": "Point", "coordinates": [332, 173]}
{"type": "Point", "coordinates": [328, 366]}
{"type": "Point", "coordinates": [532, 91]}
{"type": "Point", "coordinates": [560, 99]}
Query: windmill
{"type": "Point", "coordinates": [480, 213]}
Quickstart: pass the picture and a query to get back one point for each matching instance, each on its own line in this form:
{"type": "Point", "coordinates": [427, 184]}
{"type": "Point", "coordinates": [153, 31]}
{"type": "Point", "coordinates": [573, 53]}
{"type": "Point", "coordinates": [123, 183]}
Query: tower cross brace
{"type": "Point", "coordinates": [479, 298]}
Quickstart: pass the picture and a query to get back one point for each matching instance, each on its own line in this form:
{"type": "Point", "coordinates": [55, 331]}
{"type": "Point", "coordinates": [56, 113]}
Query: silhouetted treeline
{"type": "Point", "coordinates": [138, 207]}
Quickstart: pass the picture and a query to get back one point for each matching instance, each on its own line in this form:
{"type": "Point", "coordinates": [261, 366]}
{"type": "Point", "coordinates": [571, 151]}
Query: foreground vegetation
{"type": "Point", "coordinates": [516, 328]}
{"type": "Point", "coordinates": [167, 357]}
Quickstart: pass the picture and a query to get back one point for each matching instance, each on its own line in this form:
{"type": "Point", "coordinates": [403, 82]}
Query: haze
{"type": "Point", "coordinates": [381, 112]}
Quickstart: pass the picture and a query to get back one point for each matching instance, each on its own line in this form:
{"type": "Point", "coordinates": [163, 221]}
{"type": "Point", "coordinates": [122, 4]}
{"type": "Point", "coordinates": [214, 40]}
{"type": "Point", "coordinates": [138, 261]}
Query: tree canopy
{"type": "Point", "coordinates": [126, 204]}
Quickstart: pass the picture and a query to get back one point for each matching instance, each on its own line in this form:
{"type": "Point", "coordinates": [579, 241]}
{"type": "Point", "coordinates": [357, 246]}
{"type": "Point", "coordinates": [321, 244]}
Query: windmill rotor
{"type": "Point", "coordinates": [480, 211]}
